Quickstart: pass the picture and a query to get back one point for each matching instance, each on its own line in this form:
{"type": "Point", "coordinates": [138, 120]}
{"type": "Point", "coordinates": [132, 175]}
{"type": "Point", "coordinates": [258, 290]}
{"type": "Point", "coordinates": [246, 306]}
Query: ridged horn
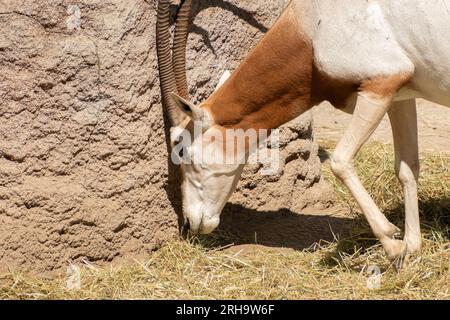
{"type": "Point", "coordinates": [179, 48]}
{"type": "Point", "coordinates": [166, 73]}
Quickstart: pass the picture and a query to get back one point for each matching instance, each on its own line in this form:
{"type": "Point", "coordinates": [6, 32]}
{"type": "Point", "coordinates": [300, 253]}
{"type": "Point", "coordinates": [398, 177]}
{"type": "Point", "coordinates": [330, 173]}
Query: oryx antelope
{"type": "Point", "coordinates": [367, 57]}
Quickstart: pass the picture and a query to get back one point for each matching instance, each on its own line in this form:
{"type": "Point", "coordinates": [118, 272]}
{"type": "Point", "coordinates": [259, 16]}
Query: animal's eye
{"type": "Point", "coordinates": [177, 140]}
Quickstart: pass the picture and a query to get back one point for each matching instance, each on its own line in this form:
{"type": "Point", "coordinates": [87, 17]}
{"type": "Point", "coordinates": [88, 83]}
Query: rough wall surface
{"type": "Point", "coordinates": [83, 162]}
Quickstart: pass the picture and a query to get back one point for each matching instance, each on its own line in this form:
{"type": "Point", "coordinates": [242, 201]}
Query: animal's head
{"type": "Point", "coordinates": [209, 165]}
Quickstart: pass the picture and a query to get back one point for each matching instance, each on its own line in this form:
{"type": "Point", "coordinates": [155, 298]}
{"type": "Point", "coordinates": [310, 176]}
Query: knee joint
{"type": "Point", "coordinates": [408, 173]}
{"type": "Point", "coordinates": [340, 166]}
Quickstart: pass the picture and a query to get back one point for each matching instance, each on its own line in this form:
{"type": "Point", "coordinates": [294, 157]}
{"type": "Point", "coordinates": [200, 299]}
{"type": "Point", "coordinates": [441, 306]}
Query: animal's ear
{"type": "Point", "coordinates": [223, 78]}
{"type": "Point", "coordinates": [191, 110]}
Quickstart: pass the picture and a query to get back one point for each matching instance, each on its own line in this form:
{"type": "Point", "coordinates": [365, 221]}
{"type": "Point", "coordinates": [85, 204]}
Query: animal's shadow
{"type": "Point", "coordinates": [282, 228]}
{"type": "Point", "coordinates": [198, 6]}
{"type": "Point", "coordinates": [434, 220]}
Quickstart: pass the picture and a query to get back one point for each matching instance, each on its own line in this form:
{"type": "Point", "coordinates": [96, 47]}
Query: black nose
{"type": "Point", "coordinates": [185, 227]}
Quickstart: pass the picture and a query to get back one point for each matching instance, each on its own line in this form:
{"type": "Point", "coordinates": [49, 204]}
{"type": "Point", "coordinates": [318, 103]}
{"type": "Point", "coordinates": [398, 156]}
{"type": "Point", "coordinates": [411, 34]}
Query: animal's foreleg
{"type": "Point", "coordinates": [403, 117]}
{"type": "Point", "coordinates": [368, 113]}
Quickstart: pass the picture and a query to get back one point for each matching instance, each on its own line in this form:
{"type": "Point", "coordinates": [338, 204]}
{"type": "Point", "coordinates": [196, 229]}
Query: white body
{"type": "Point", "coordinates": [359, 39]}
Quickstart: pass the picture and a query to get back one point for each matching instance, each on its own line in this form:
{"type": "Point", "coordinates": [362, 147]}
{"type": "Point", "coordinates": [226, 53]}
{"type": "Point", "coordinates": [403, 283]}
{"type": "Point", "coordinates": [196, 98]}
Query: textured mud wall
{"type": "Point", "coordinates": [83, 163]}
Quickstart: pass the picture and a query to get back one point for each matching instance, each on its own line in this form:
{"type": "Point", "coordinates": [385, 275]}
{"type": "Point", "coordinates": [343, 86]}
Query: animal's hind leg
{"type": "Point", "coordinates": [369, 111]}
{"type": "Point", "coordinates": [403, 117]}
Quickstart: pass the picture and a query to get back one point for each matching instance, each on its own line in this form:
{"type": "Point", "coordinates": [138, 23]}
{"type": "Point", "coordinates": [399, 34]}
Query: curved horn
{"type": "Point", "coordinates": [166, 74]}
{"type": "Point", "coordinates": [179, 48]}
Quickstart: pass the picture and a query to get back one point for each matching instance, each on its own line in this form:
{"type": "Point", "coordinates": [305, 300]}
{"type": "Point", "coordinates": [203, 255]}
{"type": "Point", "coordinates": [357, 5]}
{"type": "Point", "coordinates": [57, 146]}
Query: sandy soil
{"type": "Point", "coordinates": [433, 120]}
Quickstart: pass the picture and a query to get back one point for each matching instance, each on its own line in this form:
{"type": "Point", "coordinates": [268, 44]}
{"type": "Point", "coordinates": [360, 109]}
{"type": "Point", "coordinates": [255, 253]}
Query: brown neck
{"type": "Point", "coordinates": [273, 84]}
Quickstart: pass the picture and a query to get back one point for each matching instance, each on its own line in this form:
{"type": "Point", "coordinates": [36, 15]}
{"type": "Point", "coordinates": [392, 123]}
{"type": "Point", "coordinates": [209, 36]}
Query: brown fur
{"type": "Point", "coordinates": [272, 85]}
{"type": "Point", "coordinates": [385, 86]}
{"type": "Point", "coordinates": [279, 80]}
{"type": "Point", "coordinates": [336, 91]}
{"type": "Point", "coordinates": [339, 91]}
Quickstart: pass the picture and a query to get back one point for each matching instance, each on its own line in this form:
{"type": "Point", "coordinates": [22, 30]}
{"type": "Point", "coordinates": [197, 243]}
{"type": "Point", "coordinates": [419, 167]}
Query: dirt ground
{"type": "Point", "coordinates": [433, 120]}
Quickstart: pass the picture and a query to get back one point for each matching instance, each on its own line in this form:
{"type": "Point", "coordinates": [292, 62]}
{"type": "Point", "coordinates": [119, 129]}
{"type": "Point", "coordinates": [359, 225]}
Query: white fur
{"type": "Point", "coordinates": [207, 185]}
{"type": "Point", "coordinates": [359, 39]}
{"type": "Point", "coordinates": [223, 78]}
{"type": "Point", "coordinates": [357, 43]}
